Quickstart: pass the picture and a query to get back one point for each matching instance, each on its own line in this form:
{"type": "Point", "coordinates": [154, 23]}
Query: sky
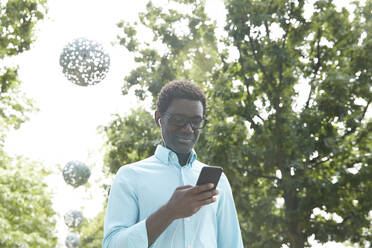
{"type": "Point", "coordinates": [65, 127]}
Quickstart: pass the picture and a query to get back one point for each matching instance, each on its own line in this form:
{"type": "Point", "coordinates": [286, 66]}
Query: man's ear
{"type": "Point", "coordinates": [157, 118]}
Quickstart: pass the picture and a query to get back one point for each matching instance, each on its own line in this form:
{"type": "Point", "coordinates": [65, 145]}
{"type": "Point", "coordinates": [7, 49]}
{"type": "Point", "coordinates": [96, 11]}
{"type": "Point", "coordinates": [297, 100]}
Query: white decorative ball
{"type": "Point", "coordinates": [76, 173]}
{"type": "Point", "coordinates": [73, 218]}
{"type": "Point", "coordinates": [84, 62]}
{"type": "Point", "coordinates": [72, 240]}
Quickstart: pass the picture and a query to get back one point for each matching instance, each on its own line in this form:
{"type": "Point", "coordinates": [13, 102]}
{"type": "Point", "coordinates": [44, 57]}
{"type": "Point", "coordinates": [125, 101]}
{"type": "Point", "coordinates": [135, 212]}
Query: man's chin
{"type": "Point", "coordinates": [183, 149]}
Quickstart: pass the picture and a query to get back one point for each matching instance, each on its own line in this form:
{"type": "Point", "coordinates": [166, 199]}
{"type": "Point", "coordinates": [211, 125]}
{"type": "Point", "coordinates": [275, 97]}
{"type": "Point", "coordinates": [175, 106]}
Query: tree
{"type": "Point", "coordinates": [17, 24]}
{"type": "Point", "coordinates": [306, 156]}
{"type": "Point", "coordinates": [122, 147]}
{"type": "Point", "coordinates": [298, 165]}
{"type": "Point", "coordinates": [14, 105]}
{"type": "Point", "coordinates": [92, 232]}
{"type": "Point", "coordinates": [26, 213]}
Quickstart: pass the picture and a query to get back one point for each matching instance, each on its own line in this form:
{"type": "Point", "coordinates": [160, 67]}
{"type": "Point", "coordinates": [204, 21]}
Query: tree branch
{"type": "Point", "coordinates": [289, 25]}
{"type": "Point", "coordinates": [316, 69]}
{"type": "Point", "coordinates": [359, 120]}
{"type": "Point", "coordinates": [258, 174]}
{"type": "Point", "coordinates": [253, 49]}
{"type": "Point", "coordinates": [260, 117]}
{"type": "Point", "coordinates": [348, 165]}
{"type": "Point", "coordinates": [247, 102]}
{"type": "Point", "coordinates": [284, 41]}
{"type": "Point", "coordinates": [267, 30]}
{"type": "Point", "coordinates": [315, 163]}
{"type": "Point", "coordinates": [280, 76]}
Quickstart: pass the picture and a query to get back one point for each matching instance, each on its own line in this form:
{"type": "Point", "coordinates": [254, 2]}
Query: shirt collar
{"type": "Point", "coordinates": [168, 157]}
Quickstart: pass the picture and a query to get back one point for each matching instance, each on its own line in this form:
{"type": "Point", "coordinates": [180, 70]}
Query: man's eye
{"type": "Point", "coordinates": [178, 119]}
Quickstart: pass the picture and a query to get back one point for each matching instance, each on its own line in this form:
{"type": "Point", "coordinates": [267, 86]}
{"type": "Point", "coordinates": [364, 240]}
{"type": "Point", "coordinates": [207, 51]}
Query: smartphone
{"type": "Point", "coordinates": [209, 174]}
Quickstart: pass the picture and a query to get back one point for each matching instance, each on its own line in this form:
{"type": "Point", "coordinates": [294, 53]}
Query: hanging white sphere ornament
{"type": "Point", "coordinates": [73, 218]}
{"type": "Point", "coordinates": [76, 173]}
{"type": "Point", "coordinates": [84, 62]}
{"type": "Point", "coordinates": [72, 240]}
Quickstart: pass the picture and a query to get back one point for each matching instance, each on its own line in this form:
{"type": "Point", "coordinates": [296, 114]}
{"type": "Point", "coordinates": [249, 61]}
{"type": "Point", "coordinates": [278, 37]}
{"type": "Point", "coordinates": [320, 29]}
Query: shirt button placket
{"type": "Point", "coordinates": [186, 221]}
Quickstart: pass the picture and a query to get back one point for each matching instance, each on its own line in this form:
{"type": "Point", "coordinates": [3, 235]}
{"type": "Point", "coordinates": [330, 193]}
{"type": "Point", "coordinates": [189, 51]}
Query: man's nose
{"type": "Point", "coordinates": [188, 127]}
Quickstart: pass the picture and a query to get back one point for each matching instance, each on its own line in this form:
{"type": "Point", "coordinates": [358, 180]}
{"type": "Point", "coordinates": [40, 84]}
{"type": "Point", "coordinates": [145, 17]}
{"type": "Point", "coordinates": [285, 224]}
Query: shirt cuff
{"type": "Point", "coordinates": [138, 235]}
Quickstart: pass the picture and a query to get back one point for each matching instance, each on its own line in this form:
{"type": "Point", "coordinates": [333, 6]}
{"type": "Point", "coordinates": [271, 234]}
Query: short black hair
{"type": "Point", "coordinates": [180, 89]}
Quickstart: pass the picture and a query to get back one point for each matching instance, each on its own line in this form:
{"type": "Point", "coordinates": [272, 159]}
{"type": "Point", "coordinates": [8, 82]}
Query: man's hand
{"type": "Point", "coordinates": [187, 200]}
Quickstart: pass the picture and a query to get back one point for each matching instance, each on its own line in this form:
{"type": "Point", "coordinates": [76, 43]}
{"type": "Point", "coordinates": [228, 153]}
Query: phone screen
{"type": "Point", "coordinates": [209, 174]}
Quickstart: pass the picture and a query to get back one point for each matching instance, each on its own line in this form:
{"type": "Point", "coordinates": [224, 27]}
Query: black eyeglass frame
{"type": "Point", "coordinates": [169, 115]}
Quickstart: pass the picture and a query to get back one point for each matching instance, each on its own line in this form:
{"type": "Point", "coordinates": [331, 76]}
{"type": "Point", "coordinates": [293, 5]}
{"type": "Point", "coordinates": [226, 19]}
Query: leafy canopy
{"type": "Point", "coordinates": [27, 218]}
{"type": "Point", "coordinates": [17, 25]}
{"type": "Point", "coordinates": [26, 213]}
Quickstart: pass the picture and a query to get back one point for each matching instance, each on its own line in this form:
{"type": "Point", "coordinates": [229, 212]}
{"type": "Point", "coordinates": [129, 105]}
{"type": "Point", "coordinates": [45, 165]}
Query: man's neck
{"type": "Point", "coordinates": [183, 158]}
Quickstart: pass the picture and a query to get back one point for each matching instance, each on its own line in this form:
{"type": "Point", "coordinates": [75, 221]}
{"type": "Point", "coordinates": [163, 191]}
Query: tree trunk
{"type": "Point", "coordinates": [296, 237]}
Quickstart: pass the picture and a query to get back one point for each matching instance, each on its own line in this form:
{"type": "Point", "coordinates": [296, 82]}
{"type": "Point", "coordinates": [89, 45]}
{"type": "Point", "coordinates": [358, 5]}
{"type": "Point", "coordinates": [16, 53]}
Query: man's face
{"type": "Point", "coordinates": [181, 139]}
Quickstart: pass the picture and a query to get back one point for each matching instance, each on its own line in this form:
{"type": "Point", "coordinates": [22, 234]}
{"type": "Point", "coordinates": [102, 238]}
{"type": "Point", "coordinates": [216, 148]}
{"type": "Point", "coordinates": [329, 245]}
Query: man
{"type": "Point", "coordinates": [153, 202]}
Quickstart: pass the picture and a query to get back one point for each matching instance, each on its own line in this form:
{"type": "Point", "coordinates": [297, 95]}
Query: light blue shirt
{"type": "Point", "coordinates": [141, 188]}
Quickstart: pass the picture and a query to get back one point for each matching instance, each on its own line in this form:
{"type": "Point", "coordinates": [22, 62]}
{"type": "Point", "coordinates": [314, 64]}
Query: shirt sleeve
{"type": "Point", "coordinates": [228, 229]}
{"type": "Point", "coordinates": [122, 227]}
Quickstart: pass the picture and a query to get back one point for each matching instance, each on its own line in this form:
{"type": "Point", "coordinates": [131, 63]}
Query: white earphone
{"type": "Point", "coordinates": [161, 133]}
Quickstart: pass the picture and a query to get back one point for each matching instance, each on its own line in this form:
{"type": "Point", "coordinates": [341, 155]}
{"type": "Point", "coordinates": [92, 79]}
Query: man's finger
{"type": "Point", "coordinates": [206, 195]}
{"type": "Point", "coordinates": [184, 187]}
{"type": "Point", "coordinates": [208, 201]}
{"type": "Point", "coordinates": [198, 189]}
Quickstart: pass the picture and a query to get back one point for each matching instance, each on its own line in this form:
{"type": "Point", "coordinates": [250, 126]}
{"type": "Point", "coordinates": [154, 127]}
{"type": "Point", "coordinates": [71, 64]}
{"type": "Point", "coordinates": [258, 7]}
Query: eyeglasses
{"type": "Point", "coordinates": [181, 121]}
